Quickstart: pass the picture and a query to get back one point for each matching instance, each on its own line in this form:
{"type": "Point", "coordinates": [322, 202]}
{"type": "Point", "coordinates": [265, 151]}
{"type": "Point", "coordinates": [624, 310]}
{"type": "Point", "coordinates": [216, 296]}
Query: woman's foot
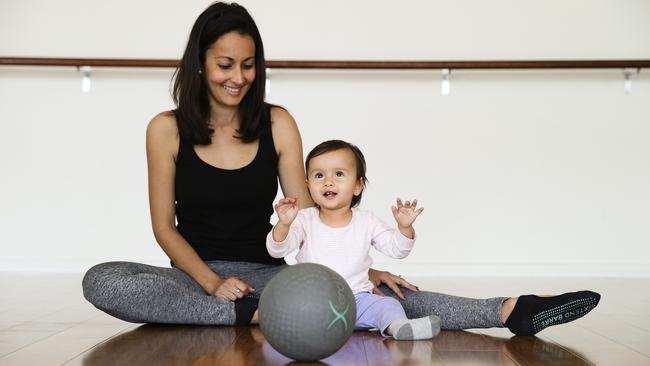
{"type": "Point", "coordinates": [256, 318]}
{"type": "Point", "coordinates": [506, 308]}
{"type": "Point", "coordinates": [529, 314]}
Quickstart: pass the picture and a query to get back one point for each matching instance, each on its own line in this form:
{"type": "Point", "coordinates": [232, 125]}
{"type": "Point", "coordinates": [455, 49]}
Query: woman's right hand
{"type": "Point", "coordinates": [287, 209]}
{"type": "Point", "coordinates": [232, 288]}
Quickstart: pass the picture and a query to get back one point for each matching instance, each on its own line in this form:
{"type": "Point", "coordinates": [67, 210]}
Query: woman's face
{"type": "Point", "coordinates": [230, 68]}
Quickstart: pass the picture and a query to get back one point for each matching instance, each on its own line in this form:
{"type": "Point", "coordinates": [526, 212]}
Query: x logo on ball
{"type": "Point", "coordinates": [340, 316]}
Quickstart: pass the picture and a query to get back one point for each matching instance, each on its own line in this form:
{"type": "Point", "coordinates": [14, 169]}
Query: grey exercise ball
{"type": "Point", "coordinates": [307, 312]}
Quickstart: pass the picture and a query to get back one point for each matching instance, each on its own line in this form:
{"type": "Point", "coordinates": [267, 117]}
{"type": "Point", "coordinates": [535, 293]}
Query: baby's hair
{"type": "Point", "coordinates": [334, 145]}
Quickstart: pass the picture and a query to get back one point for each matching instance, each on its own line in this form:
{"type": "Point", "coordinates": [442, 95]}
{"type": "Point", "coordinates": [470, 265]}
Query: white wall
{"type": "Point", "coordinates": [521, 172]}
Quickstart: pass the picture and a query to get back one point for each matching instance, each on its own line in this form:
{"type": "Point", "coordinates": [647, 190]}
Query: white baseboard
{"type": "Point", "coordinates": [428, 269]}
{"type": "Point", "coordinates": [583, 269]}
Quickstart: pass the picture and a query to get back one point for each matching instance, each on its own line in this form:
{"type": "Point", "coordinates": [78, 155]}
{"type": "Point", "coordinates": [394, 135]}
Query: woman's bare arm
{"type": "Point", "coordinates": [288, 144]}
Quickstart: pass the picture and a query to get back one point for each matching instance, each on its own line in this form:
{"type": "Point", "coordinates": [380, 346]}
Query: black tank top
{"type": "Point", "coordinates": [225, 214]}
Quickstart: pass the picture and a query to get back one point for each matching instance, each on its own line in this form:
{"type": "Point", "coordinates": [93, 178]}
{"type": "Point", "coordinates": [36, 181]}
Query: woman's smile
{"type": "Point", "coordinates": [233, 91]}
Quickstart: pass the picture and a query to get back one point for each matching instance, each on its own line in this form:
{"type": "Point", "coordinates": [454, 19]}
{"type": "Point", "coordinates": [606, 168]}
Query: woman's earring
{"type": "Point", "coordinates": [200, 72]}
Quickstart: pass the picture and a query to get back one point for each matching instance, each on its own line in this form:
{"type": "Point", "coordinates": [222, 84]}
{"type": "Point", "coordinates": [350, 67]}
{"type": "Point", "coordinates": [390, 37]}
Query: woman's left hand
{"type": "Point", "coordinates": [393, 282]}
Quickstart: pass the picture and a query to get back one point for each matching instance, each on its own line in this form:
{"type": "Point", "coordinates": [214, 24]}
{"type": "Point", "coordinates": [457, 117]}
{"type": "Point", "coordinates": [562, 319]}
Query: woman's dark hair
{"type": "Point", "coordinates": [334, 145]}
{"type": "Point", "coordinates": [190, 90]}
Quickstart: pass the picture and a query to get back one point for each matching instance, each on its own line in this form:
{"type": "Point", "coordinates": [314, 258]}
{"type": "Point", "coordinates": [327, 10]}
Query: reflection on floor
{"type": "Point", "coordinates": [187, 345]}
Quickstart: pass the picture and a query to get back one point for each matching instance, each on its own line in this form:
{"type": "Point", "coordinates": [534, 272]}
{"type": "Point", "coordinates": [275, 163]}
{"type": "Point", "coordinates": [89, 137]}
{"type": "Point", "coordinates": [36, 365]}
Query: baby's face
{"type": "Point", "coordinates": [332, 179]}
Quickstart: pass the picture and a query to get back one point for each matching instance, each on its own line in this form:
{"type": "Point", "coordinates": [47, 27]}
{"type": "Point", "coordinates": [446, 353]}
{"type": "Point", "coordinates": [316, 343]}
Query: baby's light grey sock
{"type": "Point", "coordinates": [414, 329]}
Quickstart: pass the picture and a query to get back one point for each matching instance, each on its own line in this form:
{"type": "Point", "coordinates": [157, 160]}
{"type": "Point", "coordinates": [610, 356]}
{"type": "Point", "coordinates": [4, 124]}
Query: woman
{"type": "Point", "coordinates": [213, 164]}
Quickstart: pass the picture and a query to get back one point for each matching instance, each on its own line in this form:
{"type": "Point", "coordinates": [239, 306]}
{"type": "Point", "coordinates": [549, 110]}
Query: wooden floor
{"type": "Point", "coordinates": [44, 320]}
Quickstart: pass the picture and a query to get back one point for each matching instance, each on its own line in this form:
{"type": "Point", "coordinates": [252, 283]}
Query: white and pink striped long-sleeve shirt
{"type": "Point", "coordinates": [345, 249]}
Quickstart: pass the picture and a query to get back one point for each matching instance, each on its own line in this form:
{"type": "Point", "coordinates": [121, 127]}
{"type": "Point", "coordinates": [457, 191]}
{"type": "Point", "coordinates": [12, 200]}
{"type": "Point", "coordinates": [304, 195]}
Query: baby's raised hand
{"type": "Point", "coordinates": [405, 214]}
{"type": "Point", "coordinates": [287, 209]}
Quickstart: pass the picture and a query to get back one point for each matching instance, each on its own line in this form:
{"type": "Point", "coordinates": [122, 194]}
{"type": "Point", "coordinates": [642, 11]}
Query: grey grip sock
{"type": "Point", "coordinates": [414, 329]}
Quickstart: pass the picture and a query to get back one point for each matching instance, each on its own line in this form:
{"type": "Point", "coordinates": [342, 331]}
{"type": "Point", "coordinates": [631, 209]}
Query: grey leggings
{"type": "Point", "coordinates": [141, 293]}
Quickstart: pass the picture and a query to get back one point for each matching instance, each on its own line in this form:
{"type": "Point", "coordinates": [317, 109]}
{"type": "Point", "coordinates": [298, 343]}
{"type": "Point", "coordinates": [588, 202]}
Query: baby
{"type": "Point", "coordinates": [337, 234]}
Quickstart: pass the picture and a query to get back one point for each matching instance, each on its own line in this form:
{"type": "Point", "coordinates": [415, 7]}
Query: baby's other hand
{"type": "Point", "coordinates": [405, 214]}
